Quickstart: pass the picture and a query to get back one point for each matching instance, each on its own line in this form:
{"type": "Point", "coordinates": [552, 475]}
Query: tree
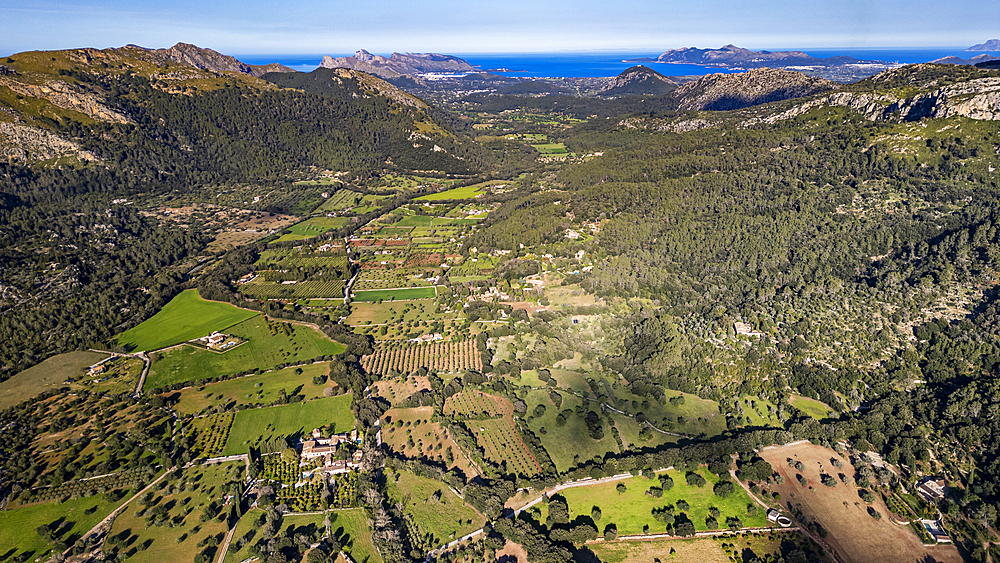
{"type": "Point", "coordinates": [695, 479]}
{"type": "Point", "coordinates": [610, 532]}
{"type": "Point", "coordinates": [595, 513]}
{"type": "Point", "coordinates": [621, 488]}
{"type": "Point", "coordinates": [724, 488]}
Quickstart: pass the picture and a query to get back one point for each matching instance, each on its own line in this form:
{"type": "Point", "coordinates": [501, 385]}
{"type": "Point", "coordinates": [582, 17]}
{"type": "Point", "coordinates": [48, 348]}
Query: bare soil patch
{"type": "Point", "coordinates": [856, 536]}
{"type": "Point", "coordinates": [512, 552]}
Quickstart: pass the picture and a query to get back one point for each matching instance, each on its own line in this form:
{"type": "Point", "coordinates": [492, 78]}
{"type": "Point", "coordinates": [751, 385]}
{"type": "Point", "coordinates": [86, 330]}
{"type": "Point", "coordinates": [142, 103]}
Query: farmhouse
{"type": "Point", "coordinates": [746, 330]}
{"type": "Point", "coordinates": [96, 370]}
{"type": "Point", "coordinates": [932, 489]}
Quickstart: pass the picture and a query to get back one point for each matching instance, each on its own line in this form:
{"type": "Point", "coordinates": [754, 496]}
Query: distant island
{"type": "Point", "coordinates": [731, 57]}
{"type": "Point", "coordinates": [991, 45]}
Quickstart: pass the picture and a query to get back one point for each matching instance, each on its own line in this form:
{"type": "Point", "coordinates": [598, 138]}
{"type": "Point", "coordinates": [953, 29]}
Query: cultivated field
{"type": "Point", "coordinates": [476, 404]}
{"type": "Point", "coordinates": [254, 390]}
{"type": "Point", "coordinates": [410, 433]}
{"type": "Point", "coordinates": [46, 375]}
{"type": "Point", "coordinates": [257, 427]}
{"type": "Point", "coordinates": [632, 510]}
{"type": "Point", "coordinates": [489, 419]}
{"type": "Point", "coordinates": [186, 317]}
{"type": "Point", "coordinates": [268, 344]}
{"type": "Point", "coordinates": [442, 357]}
{"type": "Point", "coordinates": [313, 227]}
{"type": "Point", "coordinates": [395, 294]}
{"type": "Point", "coordinates": [436, 514]}
{"type": "Point", "coordinates": [397, 390]}
{"type": "Point", "coordinates": [855, 535]}
{"type": "Point", "coordinates": [465, 192]}
{"type": "Point", "coordinates": [211, 433]}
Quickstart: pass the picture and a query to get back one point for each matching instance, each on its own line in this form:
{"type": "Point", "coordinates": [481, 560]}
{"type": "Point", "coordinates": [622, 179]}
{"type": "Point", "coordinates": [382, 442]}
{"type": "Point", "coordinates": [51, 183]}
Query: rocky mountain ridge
{"type": "Point", "coordinates": [952, 60]}
{"type": "Point", "coordinates": [990, 45]}
{"type": "Point", "coordinates": [207, 59]}
{"type": "Point", "coordinates": [399, 64]}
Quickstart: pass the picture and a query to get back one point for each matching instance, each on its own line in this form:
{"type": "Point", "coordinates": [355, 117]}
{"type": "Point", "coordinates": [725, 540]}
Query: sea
{"type": "Point", "coordinates": [607, 63]}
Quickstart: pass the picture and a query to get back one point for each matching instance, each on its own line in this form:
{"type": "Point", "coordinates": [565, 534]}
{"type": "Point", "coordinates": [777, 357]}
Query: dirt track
{"type": "Point", "coordinates": [856, 536]}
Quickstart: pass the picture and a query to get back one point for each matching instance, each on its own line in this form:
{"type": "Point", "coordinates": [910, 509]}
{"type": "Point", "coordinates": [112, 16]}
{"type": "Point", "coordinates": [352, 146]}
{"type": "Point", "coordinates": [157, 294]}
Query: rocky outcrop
{"type": "Point", "coordinates": [68, 97]}
{"type": "Point", "coordinates": [31, 144]}
{"type": "Point", "coordinates": [974, 99]}
{"type": "Point", "coordinates": [759, 86]}
{"type": "Point", "coordinates": [207, 59]}
{"type": "Point", "coordinates": [398, 64]}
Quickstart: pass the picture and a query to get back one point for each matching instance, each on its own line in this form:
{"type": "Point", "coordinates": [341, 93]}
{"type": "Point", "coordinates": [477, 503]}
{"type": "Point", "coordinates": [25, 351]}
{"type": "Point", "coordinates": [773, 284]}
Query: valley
{"type": "Point", "coordinates": [252, 314]}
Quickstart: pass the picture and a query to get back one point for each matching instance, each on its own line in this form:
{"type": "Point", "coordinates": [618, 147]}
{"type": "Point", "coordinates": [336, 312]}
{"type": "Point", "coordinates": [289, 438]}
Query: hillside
{"type": "Point", "coordinates": [81, 125]}
{"type": "Point", "coordinates": [639, 80]}
{"type": "Point", "coordinates": [721, 92]}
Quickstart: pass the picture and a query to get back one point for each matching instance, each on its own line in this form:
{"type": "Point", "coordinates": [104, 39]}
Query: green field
{"type": "Point", "coordinates": [313, 227]}
{"type": "Point", "coordinates": [394, 294]}
{"type": "Point", "coordinates": [50, 373]}
{"type": "Point", "coordinates": [253, 390]}
{"type": "Point", "coordinates": [439, 520]}
{"type": "Point", "coordinates": [178, 538]}
{"type": "Point", "coordinates": [632, 510]}
{"type": "Point", "coordinates": [571, 443]}
{"type": "Point", "coordinates": [551, 148]}
{"type": "Point", "coordinates": [811, 407]}
{"type": "Point", "coordinates": [17, 527]}
{"type": "Point", "coordinates": [465, 192]}
{"type": "Point", "coordinates": [255, 426]}
{"type": "Point", "coordinates": [264, 348]}
{"type": "Point", "coordinates": [186, 317]}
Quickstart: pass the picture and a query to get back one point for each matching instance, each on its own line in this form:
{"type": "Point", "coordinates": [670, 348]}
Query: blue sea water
{"type": "Point", "coordinates": [590, 64]}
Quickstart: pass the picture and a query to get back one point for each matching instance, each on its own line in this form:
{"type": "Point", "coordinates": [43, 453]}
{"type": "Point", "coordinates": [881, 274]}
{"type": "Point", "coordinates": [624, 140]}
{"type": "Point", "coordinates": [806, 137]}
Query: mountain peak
{"type": "Point", "coordinates": [214, 61]}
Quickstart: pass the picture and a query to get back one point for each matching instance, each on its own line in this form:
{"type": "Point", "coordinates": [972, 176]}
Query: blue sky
{"type": "Point", "coordinates": [460, 26]}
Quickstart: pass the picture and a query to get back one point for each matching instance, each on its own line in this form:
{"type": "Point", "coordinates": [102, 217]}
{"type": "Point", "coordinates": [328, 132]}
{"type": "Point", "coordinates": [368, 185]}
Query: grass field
{"type": "Point", "coordinates": [187, 316]}
{"type": "Point", "coordinates": [351, 526]}
{"type": "Point", "coordinates": [269, 343]}
{"type": "Point", "coordinates": [465, 192]}
{"type": "Point", "coordinates": [253, 390]}
{"type": "Point", "coordinates": [699, 550]}
{"type": "Point", "coordinates": [439, 514]}
{"type": "Point", "coordinates": [571, 443]}
{"type": "Point", "coordinates": [144, 543]}
{"type": "Point", "coordinates": [256, 426]}
{"type": "Point", "coordinates": [395, 294]}
{"type": "Point", "coordinates": [549, 149]}
{"type": "Point", "coordinates": [50, 373]}
{"type": "Point", "coordinates": [632, 510]}
{"type": "Point", "coordinates": [313, 227]}
{"type": "Point", "coordinates": [811, 407]}
{"type": "Point", "coordinates": [17, 527]}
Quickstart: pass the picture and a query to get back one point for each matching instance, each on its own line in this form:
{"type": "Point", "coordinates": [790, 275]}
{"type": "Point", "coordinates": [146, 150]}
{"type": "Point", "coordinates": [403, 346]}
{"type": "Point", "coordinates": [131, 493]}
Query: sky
{"type": "Point", "coordinates": [508, 26]}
